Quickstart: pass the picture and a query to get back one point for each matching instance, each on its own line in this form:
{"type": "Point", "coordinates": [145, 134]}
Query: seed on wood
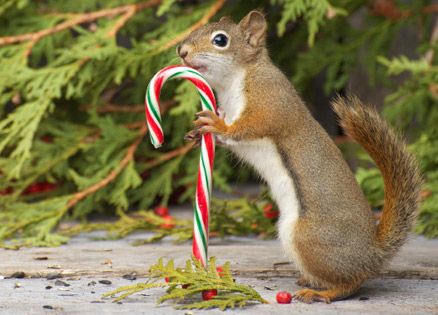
{"type": "Point", "coordinates": [130, 276]}
{"type": "Point", "coordinates": [61, 283]}
{"type": "Point", "coordinates": [41, 258]}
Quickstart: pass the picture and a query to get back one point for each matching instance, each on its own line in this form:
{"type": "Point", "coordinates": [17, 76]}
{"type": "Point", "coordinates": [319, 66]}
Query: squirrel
{"type": "Point", "coordinates": [326, 226]}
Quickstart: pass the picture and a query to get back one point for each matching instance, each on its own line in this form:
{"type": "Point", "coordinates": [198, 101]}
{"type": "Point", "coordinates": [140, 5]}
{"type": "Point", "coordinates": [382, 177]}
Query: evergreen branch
{"type": "Point", "coordinates": [315, 12]}
{"type": "Point", "coordinates": [113, 174]}
{"type": "Point", "coordinates": [186, 283]}
{"type": "Point", "coordinates": [217, 5]}
{"type": "Point", "coordinates": [79, 19]}
{"type": "Point", "coordinates": [56, 160]}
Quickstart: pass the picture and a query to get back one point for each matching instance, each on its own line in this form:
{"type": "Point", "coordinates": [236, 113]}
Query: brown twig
{"type": "Point", "coordinates": [135, 124]}
{"type": "Point", "coordinates": [204, 20]}
{"type": "Point", "coordinates": [169, 155]}
{"type": "Point", "coordinates": [430, 53]}
{"type": "Point", "coordinates": [389, 10]}
{"type": "Point", "coordinates": [80, 19]}
{"type": "Point", "coordinates": [129, 156]}
{"type": "Point", "coordinates": [111, 108]}
{"type": "Point", "coordinates": [432, 8]}
{"type": "Point", "coordinates": [122, 21]}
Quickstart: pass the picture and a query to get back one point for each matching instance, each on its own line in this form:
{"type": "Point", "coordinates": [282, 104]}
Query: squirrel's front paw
{"type": "Point", "coordinates": [207, 121]}
{"type": "Point", "coordinates": [195, 136]}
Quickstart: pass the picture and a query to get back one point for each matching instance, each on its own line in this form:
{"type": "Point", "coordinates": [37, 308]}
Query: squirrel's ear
{"type": "Point", "coordinates": [226, 19]}
{"type": "Point", "coordinates": [254, 27]}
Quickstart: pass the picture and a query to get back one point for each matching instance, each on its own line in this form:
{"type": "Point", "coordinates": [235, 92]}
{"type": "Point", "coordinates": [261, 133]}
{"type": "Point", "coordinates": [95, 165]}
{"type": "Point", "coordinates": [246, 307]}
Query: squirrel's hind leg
{"type": "Point", "coordinates": [327, 296]}
{"type": "Point", "coordinates": [303, 282]}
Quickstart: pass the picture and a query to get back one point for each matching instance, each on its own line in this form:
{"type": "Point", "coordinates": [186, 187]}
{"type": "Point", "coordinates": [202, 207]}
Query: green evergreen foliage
{"type": "Point", "coordinates": [73, 76]}
{"type": "Point", "coordinates": [238, 217]}
{"type": "Point", "coordinates": [186, 284]}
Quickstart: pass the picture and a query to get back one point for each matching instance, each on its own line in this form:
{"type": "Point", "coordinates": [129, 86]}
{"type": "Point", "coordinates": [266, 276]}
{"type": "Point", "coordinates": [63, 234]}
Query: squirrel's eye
{"type": "Point", "coordinates": [220, 40]}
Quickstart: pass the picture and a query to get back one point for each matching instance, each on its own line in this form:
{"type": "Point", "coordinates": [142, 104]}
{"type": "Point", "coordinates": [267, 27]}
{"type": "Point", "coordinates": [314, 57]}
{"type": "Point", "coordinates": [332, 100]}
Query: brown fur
{"type": "Point", "coordinates": [337, 241]}
{"type": "Point", "coordinates": [399, 170]}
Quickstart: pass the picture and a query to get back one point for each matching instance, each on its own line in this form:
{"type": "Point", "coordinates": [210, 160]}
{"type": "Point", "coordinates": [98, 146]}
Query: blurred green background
{"type": "Point", "coordinates": [73, 75]}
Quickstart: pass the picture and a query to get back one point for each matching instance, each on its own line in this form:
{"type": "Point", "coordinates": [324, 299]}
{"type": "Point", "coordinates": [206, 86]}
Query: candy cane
{"type": "Point", "coordinates": [205, 170]}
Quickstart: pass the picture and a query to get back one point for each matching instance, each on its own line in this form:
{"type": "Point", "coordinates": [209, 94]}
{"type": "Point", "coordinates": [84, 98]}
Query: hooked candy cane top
{"type": "Point", "coordinates": [153, 92]}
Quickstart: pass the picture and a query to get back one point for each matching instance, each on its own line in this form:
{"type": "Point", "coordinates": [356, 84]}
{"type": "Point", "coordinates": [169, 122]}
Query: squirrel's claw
{"type": "Point", "coordinates": [309, 296]}
{"type": "Point", "coordinates": [207, 121]}
{"type": "Point", "coordinates": [193, 135]}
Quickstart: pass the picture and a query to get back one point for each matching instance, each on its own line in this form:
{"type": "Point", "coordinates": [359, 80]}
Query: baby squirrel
{"type": "Point", "coordinates": [326, 225]}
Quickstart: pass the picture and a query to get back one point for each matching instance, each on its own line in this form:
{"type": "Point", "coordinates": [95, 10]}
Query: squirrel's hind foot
{"type": "Point", "coordinates": [327, 296]}
{"type": "Point", "coordinates": [310, 296]}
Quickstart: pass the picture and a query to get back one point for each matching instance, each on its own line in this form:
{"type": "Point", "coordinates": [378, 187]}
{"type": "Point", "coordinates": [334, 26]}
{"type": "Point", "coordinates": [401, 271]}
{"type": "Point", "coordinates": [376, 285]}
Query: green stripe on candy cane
{"type": "Point", "coordinates": [205, 169]}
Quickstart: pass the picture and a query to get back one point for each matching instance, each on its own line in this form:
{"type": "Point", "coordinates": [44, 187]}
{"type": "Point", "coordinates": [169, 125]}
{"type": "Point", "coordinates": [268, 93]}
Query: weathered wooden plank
{"type": "Point", "coordinates": [249, 258]}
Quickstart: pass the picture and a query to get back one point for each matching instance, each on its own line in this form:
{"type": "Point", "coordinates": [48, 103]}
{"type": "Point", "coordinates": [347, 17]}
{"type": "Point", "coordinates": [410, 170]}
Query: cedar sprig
{"type": "Point", "coordinates": [237, 217]}
{"type": "Point", "coordinates": [185, 285]}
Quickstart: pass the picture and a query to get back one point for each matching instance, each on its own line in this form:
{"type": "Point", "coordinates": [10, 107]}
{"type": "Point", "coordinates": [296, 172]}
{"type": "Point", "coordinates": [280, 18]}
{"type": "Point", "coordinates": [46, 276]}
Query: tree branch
{"type": "Point", "coordinates": [204, 20]}
{"type": "Point", "coordinates": [169, 155]}
{"type": "Point", "coordinates": [127, 10]}
{"type": "Point", "coordinates": [111, 108]}
{"type": "Point", "coordinates": [389, 10]}
{"type": "Point", "coordinates": [122, 21]}
{"type": "Point", "coordinates": [129, 156]}
{"type": "Point", "coordinates": [430, 53]}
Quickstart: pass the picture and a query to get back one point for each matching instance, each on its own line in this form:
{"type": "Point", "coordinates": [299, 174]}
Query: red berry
{"type": "Point", "coordinates": [7, 191]}
{"type": "Point", "coordinates": [268, 207]}
{"type": "Point", "coordinates": [269, 212]}
{"type": "Point", "coordinates": [46, 186]}
{"type": "Point", "coordinates": [271, 215]}
{"type": "Point", "coordinates": [220, 271]}
{"type": "Point", "coordinates": [284, 297]}
{"type": "Point", "coordinates": [166, 279]}
{"type": "Point", "coordinates": [33, 189]}
{"type": "Point", "coordinates": [145, 175]}
{"type": "Point", "coordinates": [161, 211]}
{"type": "Point", "coordinates": [47, 138]}
{"type": "Point", "coordinates": [209, 294]}
{"type": "Point", "coordinates": [168, 222]}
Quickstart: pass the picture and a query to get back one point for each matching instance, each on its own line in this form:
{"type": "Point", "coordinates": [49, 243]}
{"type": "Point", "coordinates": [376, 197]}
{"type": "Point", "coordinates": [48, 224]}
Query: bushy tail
{"type": "Point", "coordinates": [399, 169]}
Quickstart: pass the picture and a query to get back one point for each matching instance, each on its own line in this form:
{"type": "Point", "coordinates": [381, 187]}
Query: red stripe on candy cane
{"type": "Point", "coordinates": [205, 172]}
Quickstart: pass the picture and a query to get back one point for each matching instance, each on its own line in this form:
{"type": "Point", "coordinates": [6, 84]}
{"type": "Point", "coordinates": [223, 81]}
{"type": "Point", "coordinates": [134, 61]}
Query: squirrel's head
{"type": "Point", "coordinates": [216, 48]}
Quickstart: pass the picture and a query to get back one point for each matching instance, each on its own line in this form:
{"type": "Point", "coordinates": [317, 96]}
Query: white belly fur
{"type": "Point", "coordinates": [264, 157]}
{"type": "Point", "coordinates": [261, 154]}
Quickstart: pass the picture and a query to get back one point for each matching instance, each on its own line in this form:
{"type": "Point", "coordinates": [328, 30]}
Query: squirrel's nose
{"type": "Point", "coordinates": [182, 51]}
